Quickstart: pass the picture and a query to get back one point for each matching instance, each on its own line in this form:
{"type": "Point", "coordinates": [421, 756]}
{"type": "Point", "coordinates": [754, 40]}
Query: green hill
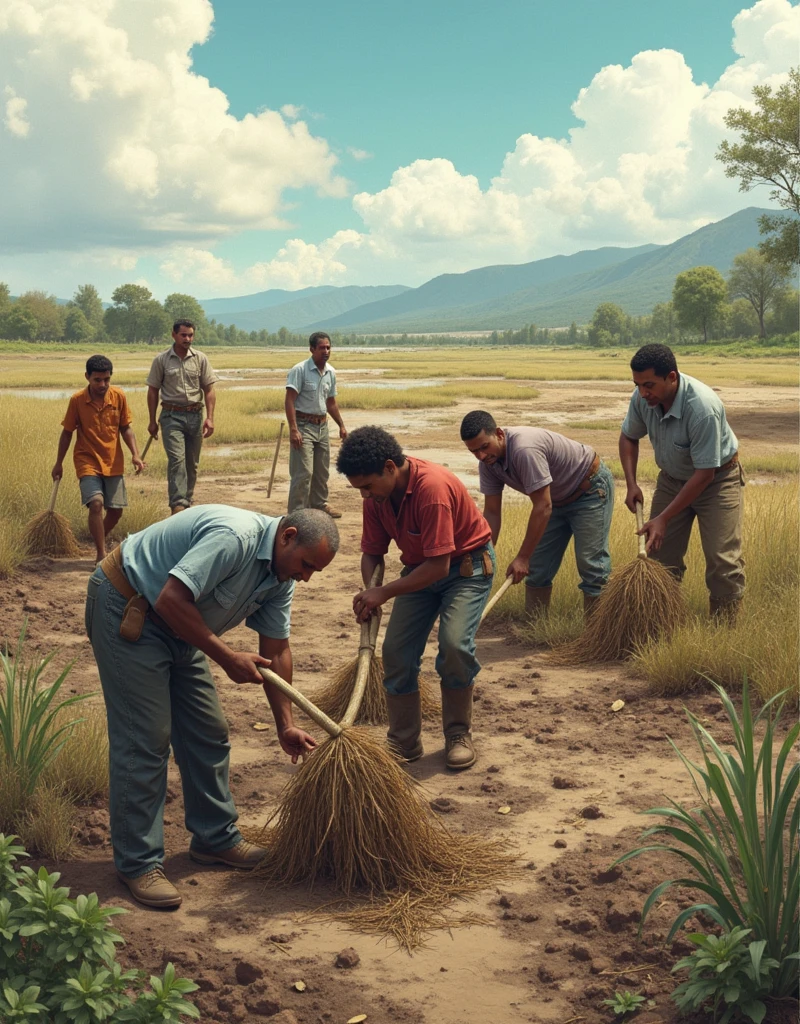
{"type": "Point", "coordinates": [277, 308]}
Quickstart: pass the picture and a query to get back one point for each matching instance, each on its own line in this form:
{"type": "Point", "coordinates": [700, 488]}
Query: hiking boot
{"type": "Point", "coordinates": [459, 752]}
{"type": "Point", "coordinates": [334, 513]}
{"type": "Point", "coordinates": [724, 613]}
{"type": "Point", "coordinates": [244, 855]}
{"type": "Point", "coordinates": [537, 600]}
{"type": "Point", "coordinates": [405, 725]}
{"type": "Point", "coordinates": [589, 601]}
{"type": "Point", "coordinates": [153, 889]}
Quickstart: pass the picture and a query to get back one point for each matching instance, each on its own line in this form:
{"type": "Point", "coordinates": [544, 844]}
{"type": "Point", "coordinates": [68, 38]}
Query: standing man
{"type": "Point", "coordinates": [310, 396]}
{"type": "Point", "coordinates": [156, 607]}
{"type": "Point", "coordinates": [572, 494]}
{"type": "Point", "coordinates": [446, 550]}
{"type": "Point", "coordinates": [100, 415]}
{"type": "Point", "coordinates": [182, 376]}
{"type": "Point", "coordinates": [700, 476]}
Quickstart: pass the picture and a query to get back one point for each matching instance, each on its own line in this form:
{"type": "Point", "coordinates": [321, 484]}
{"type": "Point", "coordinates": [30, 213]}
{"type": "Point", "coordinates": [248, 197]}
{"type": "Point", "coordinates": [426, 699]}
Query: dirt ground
{"type": "Point", "coordinates": [555, 941]}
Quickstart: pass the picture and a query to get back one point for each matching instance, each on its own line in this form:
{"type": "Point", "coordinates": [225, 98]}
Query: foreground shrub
{"type": "Point", "coordinates": [57, 957]}
{"type": "Point", "coordinates": [740, 844]}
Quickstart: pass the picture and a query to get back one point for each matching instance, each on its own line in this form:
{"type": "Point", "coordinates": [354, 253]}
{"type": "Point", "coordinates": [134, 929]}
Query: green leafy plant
{"type": "Point", "coordinates": [624, 1002]}
{"type": "Point", "coordinates": [741, 842]}
{"type": "Point", "coordinates": [728, 972]}
{"type": "Point", "coordinates": [57, 957]}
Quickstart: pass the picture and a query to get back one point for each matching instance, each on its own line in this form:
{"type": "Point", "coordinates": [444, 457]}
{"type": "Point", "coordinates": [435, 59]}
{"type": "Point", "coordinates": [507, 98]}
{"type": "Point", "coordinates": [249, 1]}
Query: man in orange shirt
{"type": "Point", "coordinates": [100, 415]}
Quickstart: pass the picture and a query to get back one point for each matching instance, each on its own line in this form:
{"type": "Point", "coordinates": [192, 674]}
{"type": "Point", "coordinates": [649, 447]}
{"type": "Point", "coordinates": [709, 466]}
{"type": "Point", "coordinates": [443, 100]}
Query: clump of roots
{"type": "Point", "coordinates": [352, 817]}
{"type": "Point", "coordinates": [642, 601]}
{"type": "Point", "coordinates": [49, 533]}
{"type": "Point", "coordinates": [334, 698]}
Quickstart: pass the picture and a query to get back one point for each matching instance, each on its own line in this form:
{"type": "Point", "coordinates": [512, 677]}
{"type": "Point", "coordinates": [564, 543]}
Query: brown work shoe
{"type": "Point", "coordinates": [244, 855]}
{"type": "Point", "coordinates": [153, 889]}
{"type": "Point", "coordinates": [334, 513]}
{"type": "Point", "coordinates": [459, 752]}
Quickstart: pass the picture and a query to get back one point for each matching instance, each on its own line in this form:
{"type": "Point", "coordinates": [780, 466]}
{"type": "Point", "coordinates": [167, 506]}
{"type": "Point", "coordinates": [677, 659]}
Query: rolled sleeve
{"type": "Point", "coordinates": [634, 426]}
{"type": "Point", "coordinates": [374, 537]}
{"type": "Point", "coordinates": [332, 390]}
{"type": "Point", "coordinates": [438, 535]}
{"type": "Point", "coordinates": [156, 376]}
{"type": "Point", "coordinates": [294, 378]}
{"type": "Point", "coordinates": [487, 481]}
{"type": "Point", "coordinates": [125, 418]}
{"type": "Point", "coordinates": [209, 561]}
{"type": "Point", "coordinates": [531, 469]}
{"type": "Point", "coordinates": [71, 421]}
{"type": "Point", "coordinates": [273, 618]}
{"type": "Point", "coordinates": [706, 443]}
{"type": "Point", "coordinates": [207, 375]}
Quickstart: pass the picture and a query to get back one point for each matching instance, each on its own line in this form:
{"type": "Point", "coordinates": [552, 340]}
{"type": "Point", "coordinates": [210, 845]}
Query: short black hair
{"type": "Point", "coordinates": [317, 336]}
{"type": "Point", "coordinates": [99, 364]}
{"type": "Point", "coordinates": [366, 450]}
{"type": "Point", "coordinates": [658, 358]}
{"type": "Point", "coordinates": [182, 323]}
{"type": "Point", "coordinates": [476, 421]}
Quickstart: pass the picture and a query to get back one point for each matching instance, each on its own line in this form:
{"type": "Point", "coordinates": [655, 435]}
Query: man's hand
{"type": "Point", "coordinates": [633, 497]}
{"type": "Point", "coordinates": [152, 429]}
{"type": "Point", "coordinates": [342, 432]}
{"type": "Point", "coordinates": [654, 530]}
{"type": "Point", "coordinates": [295, 438]}
{"type": "Point", "coordinates": [138, 465]}
{"type": "Point", "coordinates": [241, 667]}
{"type": "Point", "coordinates": [57, 471]}
{"type": "Point", "coordinates": [367, 602]}
{"type": "Point", "coordinates": [295, 742]}
{"type": "Point", "coordinates": [208, 427]}
{"type": "Point", "coordinates": [518, 569]}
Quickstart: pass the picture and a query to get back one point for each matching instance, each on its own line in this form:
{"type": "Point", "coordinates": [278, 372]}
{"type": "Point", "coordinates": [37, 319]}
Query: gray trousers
{"type": "Point", "coordinates": [182, 434]}
{"type": "Point", "coordinates": [309, 467]}
{"type": "Point", "coordinates": [719, 511]}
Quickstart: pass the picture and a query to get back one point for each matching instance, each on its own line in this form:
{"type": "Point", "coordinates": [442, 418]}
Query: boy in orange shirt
{"type": "Point", "coordinates": [100, 415]}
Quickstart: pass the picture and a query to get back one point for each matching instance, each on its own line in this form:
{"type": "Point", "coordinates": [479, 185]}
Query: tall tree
{"type": "Point", "coordinates": [135, 315]}
{"type": "Point", "coordinates": [699, 298]}
{"type": "Point", "coordinates": [185, 307]}
{"type": "Point", "coordinates": [18, 324]}
{"type": "Point", "coordinates": [769, 154]}
{"type": "Point", "coordinates": [48, 314]}
{"type": "Point", "coordinates": [5, 297]}
{"type": "Point", "coordinates": [608, 324]}
{"type": "Point", "coordinates": [77, 327]}
{"type": "Point", "coordinates": [757, 279]}
{"type": "Point", "coordinates": [662, 322]}
{"type": "Point", "coordinates": [87, 299]}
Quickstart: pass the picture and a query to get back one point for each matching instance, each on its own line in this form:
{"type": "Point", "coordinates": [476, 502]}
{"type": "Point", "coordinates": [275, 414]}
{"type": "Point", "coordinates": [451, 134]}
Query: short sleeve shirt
{"type": "Point", "coordinates": [692, 434]}
{"type": "Point", "coordinates": [533, 459]}
{"type": "Point", "coordinates": [313, 388]}
{"type": "Point", "coordinates": [224, 556]}
{"type": "Point", "coordinates": [437, 516]}
{"type": "Point", "coordinates": [98, 449]}
{"type": "Point", "coordinates": [181, 381]}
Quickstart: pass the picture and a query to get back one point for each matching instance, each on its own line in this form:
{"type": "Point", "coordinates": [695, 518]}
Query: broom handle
{"type": "Point", "coordinates": [53, 495]}
{"type": "Point", "coordinates": [313, 712]}
{"type": "Point", "coordinates": [639, 524]}
{"type": "Point", "coordinates": [275, 460]}
{"type": "Point", "coordinates": [497, 596]}
{"type": "Point", "coordinates": [369, 637]}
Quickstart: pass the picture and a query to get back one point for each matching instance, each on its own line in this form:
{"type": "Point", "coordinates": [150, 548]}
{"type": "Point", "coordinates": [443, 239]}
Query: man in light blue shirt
{"type": "Point", "coordinates": [156, 606]}
{"type": "Point", "coordinates": [700, 475]}
{"type": "Point", "coordinates": [310, 396]}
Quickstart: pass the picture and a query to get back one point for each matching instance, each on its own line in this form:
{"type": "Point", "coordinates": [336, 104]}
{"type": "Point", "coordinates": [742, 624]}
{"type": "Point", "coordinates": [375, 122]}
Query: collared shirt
{"type": "Point", "coordinates": [533, 459]}
{"type": "Point", "coordinates": [181, 381]}
{"type": "Point", "coordinates": [437, 516]}
{"type": "Point", "coordinates": [313, 388]}
{"type": "Point", "coordinates": [224, 556]}
{"type": "Point", "coordinates": [692, 434]}
{"type": "Point", "coordinates": [98, 450]}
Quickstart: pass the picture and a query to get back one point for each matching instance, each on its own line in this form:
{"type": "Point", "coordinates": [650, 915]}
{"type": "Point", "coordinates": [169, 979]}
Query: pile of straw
{"type": "Point", "coordinates": [49, 533]}
{"type": "Point", "coordinates": [334, 698]}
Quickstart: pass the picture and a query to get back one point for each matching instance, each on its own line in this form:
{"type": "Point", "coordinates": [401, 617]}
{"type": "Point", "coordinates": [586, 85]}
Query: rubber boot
{"type": "Point", "coordinates": [457, 727]}
{"type": "Point", "coordinates": [724, 613]}
{"type": "Point", "coordinates": [589, 601]}
{"type": "Point", "coordinates": [405, 724]}
{"type": "Point", "coordinates": [537, 600]}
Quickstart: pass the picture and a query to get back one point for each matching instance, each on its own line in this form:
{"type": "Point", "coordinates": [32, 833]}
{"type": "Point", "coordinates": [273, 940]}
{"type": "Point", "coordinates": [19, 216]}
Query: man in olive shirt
{"type": "Point", "coordinates": [181, 376]}
{"type": "Point", "coordinates": [700, 475]}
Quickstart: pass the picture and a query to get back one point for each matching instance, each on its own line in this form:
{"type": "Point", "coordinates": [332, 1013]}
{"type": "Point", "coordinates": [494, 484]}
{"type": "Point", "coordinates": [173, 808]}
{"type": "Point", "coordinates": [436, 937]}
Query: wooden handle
{"type": "Point", "coordinates": [366, 650]}
{"type": "Point", "coordinates": [275, 460]}
{"type": "Point", "coordinates": [639, 524]}
{"type": "Point", "coordinates": [497, 596]}
{"type": "Point", "coordinates": [313, 712]}
{"type": "Point", "coordinates": [53, 495]}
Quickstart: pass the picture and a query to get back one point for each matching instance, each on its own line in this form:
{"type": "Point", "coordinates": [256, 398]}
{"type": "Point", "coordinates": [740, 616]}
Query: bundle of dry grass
{"type": "Point", "coordinates": [642, 601]}
{"type": "Point", "coordinates": [49, 533]}
{"type": "Point", "coordinates": [334, 698]}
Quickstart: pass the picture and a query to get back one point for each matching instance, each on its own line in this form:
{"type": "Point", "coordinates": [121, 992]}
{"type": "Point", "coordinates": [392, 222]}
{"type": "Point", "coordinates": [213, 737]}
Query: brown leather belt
{"type": "Point", "coordinates": [169, 407]}
{"type": "Point", "coordinates": [731, 462]}
{"type": "Point", "coordinates": [115, 574]}
{"type": "Point", "coordinates": [310, 417]}
{"type": "Point", "coordinates": [582, 487]}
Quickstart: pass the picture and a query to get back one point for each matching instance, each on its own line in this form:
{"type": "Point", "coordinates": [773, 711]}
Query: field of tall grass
{"type": "Point", "coordinates": [764, 644]}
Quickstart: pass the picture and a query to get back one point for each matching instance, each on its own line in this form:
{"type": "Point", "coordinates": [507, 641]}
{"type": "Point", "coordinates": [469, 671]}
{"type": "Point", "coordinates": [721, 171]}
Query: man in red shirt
{"type": "Point", "coordinates": [448, 563]}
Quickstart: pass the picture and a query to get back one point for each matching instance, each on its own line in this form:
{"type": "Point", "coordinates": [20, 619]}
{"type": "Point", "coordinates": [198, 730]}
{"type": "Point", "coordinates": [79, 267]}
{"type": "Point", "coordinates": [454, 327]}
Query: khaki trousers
{"type": "Point", "coordinates": [309, 467]}
{"type": "Point", "coordinates": [719, 511]}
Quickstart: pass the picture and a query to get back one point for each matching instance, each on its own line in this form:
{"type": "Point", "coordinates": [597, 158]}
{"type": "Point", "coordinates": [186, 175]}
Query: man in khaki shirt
{"type": "Point", "coordinates": [181, 376]}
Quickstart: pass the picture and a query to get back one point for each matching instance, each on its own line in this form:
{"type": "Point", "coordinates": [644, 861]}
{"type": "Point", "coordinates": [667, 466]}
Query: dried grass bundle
{"type": "Point", "coordinates": [335, 697]}
{"type": "Point", "coordinates": [49, 533]}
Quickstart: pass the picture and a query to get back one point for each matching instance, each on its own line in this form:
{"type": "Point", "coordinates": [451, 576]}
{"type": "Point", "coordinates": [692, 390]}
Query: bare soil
{"type": "Point", "coordinates": [553, 943]}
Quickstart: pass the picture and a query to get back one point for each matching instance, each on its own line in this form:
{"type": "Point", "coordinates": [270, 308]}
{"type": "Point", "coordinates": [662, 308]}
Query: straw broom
{"type": "Point", "coordinates": [642, 601]}
{"type": "Point", "coordinates": [49, 533]}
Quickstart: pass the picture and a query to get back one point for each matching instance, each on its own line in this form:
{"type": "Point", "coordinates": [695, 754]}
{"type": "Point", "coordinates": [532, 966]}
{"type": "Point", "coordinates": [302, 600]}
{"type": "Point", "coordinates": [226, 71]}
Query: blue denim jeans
{"type": "Point", "coordinates": [588, 520]}
{"type": "Point", "coordinates": [458, 602]}
{"type": "Point", "coordinates": [158, 692]}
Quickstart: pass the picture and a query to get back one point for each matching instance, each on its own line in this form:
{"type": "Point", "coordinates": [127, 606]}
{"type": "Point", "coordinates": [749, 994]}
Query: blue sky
{"type": "Point", "coordinates": [231, 147]}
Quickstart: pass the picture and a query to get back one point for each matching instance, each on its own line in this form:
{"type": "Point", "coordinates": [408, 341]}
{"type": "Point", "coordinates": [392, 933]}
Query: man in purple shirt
{"type": "Point", "coordinates": [572, 494]}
